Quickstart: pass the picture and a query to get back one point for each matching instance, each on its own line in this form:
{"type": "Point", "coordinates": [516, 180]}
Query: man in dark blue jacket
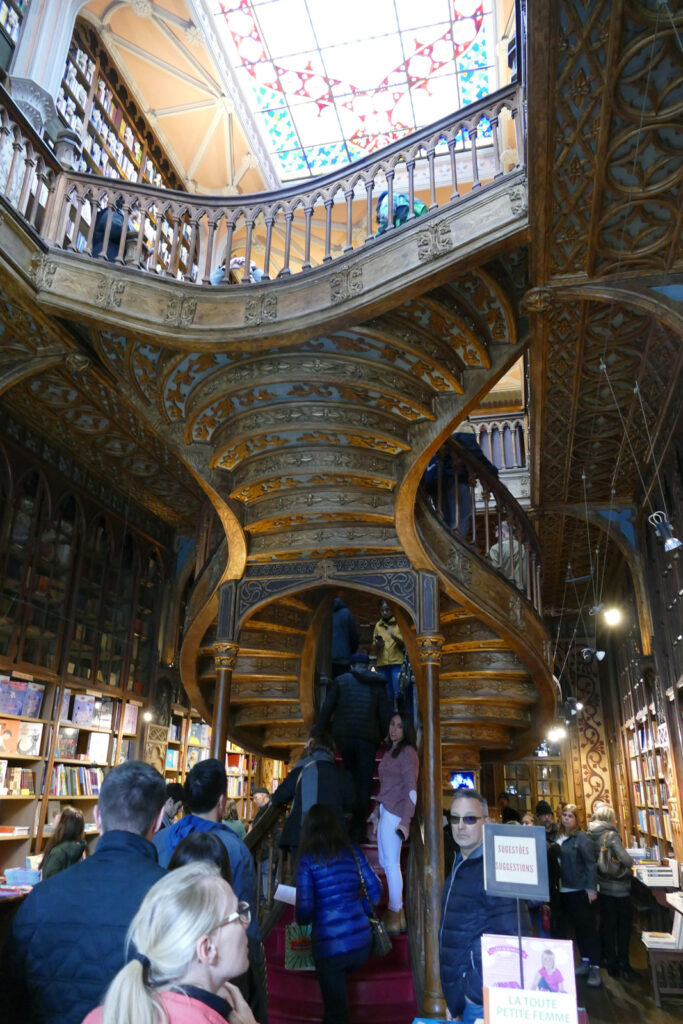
{"type": "Point", "coordinates": [68, 937]}
{"type": "Point", "coordinates": [467, 912]}
{"type": "Point", "coordinates": [205, 797]}
{"type": "Point", "coordinates": [344, 637]}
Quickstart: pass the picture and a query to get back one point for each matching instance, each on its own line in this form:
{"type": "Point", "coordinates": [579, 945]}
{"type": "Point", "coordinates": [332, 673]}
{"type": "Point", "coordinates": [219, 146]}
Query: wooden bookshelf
{"type": "Point", "coordinates": [648, 765]}
{"type": "Point", "coordinates": [71, 738]}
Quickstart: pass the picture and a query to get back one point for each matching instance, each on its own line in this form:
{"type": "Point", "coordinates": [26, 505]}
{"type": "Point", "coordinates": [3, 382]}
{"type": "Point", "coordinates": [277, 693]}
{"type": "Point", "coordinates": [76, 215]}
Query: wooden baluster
{"type": "Point", "coordinates": [29, 168]}
{"type": "Point", "coordinates": [211, 234]}
{"type": "Point", "coordinates": [348, 195]}
{"type": "Point", "coordinates": [473, 133]}
{"type": "Point", "coordinates": [228, 247]}
{"type": "Point", "coordinates": [17, 146]}
{"type": "Point", "coordinates": [369, 186]}
{"type": "Point", "coordinates": [519, 136]}
{"type": "Point", "coordinates": [192, 249]}
{"type": "Point", "coordinates": [328, 230]}
{"type": "Point", "coordinates": [286, 271]}
{"type": "Point", "coordinates": [390, 199]}
{"type": "Point", "coordinates": [308, 211]}
{"type": "Point", "coordinates": [411, 189]}
{"type": "Point", "coordinates": [269, 238]}
{"type": "Point", "coordinates": [432, 179]}
{"type": "Point", "coordinates": [454, 170]}
{"type": "Point", "coordinates": [246, 276]}
{"type": "Point", "coordinates": [497, 164]}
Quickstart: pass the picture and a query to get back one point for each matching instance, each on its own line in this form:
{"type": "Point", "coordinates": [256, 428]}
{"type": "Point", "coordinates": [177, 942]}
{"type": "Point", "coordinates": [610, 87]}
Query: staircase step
{"type": "Point", "coordinates": [399, 957]}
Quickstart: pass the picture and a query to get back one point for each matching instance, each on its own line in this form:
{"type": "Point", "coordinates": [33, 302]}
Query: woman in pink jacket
{"type": "Point", "coordinates": [188, 939]}
{"type": "Point", "coordinates": [396, 800]}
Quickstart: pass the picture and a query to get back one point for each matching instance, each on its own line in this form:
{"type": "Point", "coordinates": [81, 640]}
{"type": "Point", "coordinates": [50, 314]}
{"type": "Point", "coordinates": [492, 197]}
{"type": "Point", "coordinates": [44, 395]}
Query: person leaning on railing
{"type": "Point", "coordinates": [236, 263]}
{"type": "Point", "coordinates": [401, 208]}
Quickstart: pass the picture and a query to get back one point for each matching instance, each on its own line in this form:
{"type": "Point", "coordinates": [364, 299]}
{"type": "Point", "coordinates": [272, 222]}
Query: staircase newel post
{"type": "Point", "coordinates": [225, 659]}
{"type": "Point", "coordinates": [433, 1004]}
{"type": "Point", "coordinates": [225, 651]}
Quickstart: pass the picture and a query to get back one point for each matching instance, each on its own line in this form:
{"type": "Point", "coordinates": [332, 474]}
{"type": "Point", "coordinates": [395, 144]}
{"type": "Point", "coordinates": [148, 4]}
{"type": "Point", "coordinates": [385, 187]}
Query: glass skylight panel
{"type": "Point", "coordinates": [328, 84]}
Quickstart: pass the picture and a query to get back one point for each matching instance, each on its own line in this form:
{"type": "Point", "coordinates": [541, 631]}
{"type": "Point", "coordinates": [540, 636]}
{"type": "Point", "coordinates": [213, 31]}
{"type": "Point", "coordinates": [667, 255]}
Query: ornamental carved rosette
{"type": "Point", "coordinates": [225, 655]}
{"type": "Point", "coordinates": [430, 649]}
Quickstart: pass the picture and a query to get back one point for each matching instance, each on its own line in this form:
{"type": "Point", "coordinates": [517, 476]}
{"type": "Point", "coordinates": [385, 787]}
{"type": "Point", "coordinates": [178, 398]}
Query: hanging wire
{"type": "Point", "coordinates": [663, 4]}
{"type": "Point", "coordinates": [603, 367]}
{"type": "Point", "coordinates": [651, 452]}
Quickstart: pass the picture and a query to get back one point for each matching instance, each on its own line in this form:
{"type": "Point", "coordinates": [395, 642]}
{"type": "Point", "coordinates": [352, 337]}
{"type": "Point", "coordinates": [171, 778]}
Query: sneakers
{"type": "Point", "coordinates": [583, 968]}
{"type": "Point", "coordinates": [594, 976]}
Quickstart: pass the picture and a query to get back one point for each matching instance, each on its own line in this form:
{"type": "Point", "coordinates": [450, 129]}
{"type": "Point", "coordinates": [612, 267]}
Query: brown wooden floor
{"type": "Point", "coordinates": [629, 1001]}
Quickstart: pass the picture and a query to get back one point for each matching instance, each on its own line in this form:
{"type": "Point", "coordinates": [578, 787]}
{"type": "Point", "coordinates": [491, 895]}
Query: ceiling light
{"type": "Point", "coordinates": [579, 706]}
{"type": "Point", "coordinates": [557, 733]}
{"type": "Point", "coordinates": [147, 716]}
{"type": "Point", "coordinates": [612, 616]}
{"type": "Point", "coordinates": [664, 530]}
{"type": "Point", "coordinates": [599, 655]}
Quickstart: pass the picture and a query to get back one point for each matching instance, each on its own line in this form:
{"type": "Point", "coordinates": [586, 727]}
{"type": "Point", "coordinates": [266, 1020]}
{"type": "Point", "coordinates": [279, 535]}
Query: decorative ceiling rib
{"type": "Point", "coordinates": [606, 195]}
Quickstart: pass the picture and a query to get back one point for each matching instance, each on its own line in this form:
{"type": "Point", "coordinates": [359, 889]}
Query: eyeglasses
{"type": "Point", "coordinates": [242, 914]}
{"type": "Point", "coordinates": [467, 819]}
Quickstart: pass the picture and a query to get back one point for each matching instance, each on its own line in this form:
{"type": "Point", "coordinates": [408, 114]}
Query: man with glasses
{"type": "Point", "coordinates": [467, 912]}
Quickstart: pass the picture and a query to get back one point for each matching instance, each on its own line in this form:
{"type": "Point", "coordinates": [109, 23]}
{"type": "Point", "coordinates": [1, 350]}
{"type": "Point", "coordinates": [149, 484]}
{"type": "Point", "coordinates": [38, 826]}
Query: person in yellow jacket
{"type": "Point", "coordinates": [389, 647]}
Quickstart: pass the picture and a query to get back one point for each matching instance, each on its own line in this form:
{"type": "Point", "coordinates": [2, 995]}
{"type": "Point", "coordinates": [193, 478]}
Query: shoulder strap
{"type": "Point", "coordinates": [362, 880]}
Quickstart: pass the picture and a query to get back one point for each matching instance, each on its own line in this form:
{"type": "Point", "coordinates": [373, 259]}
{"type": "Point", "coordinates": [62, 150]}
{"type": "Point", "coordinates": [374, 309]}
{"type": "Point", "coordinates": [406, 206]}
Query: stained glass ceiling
{"type": "Point", "coordinates": [329, 82]}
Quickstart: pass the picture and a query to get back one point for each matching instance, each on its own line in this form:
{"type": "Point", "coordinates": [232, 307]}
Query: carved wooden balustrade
{"type": "Point", "coordinates": [496, 527]}
{"type": "Point", "coordinates": [185, 237]}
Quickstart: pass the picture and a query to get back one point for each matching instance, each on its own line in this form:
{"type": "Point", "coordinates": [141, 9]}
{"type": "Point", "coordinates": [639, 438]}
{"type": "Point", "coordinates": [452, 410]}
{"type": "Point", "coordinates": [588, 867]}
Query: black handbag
{"type": "Point", "coordinates": [405, 675]}
{"type": "Point", "coordinates": [381, 943]}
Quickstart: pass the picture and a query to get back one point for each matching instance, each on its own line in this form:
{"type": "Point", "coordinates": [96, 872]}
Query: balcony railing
{"type": "Point", "coordinates": [496, 526]}
{"type": "Point", "coordinates": [291, 230]}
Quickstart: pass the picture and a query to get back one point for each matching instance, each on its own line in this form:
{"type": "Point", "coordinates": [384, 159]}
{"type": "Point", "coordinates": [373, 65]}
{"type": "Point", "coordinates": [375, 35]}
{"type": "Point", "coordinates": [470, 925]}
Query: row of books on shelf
{"type": "Point", "coordinates": [15, 830]}
{"type": "Point", "coordinates": [15, 781]}
{"type": "Point", "coordinates": [656, 823]}
{"type": "Point", "coordinates": [195, 755]}
{"type": "Point", "coordinates": [653, 765]}
{"type": "Point", "coordinates": [77, 780]}
{"type": "Point", "coordinates": [646, 793]}
{"type": "Point", "coordinates": [174, 732]}
{"type": "Point", "coordinates": [91, 711]}
{"type": "Point", "coordinates": [21, 696]}
{"type": "Point", "coordinates": [237, 787]}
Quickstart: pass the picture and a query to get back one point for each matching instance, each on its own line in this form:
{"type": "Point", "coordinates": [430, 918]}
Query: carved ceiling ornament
{"type": "Point", "coordinates": [180, 312]}
{"type": "Point", "coordinates": [108, 292]}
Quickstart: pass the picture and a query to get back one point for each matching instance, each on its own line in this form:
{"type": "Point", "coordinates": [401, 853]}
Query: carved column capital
{"type": "Point", "coordinates": [429, 647]}
{"type": "Point", "coordinates": [225, 654]}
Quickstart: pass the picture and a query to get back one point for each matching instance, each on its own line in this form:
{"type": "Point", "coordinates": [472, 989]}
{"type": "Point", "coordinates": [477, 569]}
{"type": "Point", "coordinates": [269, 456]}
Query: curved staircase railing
{"type": "Point", "coordinates": [479, 510]}
{"type": "Point", "coordinates": [184, 237]}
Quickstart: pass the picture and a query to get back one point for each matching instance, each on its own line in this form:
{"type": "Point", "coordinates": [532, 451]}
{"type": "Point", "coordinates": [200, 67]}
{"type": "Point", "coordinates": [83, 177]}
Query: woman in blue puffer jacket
{"type": "Point", "coordinates": [328, 893]}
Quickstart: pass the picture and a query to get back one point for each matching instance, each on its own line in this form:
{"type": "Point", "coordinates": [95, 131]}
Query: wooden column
{"type": "Point", "coordinates": [225, 659]}
{"type": "Point", "coordinates": [433, 1003]}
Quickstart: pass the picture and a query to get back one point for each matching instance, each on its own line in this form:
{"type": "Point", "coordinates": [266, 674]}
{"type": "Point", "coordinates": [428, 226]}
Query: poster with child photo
{"type": "Point", "coordinates": [544, 989]}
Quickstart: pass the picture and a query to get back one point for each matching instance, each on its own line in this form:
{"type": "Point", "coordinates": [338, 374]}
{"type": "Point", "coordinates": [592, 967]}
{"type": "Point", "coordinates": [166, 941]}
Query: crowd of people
{"type": "Point", "coordinates": [162, 918]}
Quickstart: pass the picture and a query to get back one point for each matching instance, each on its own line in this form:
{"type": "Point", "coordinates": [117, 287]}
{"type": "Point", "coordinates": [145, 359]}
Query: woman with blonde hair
{"type": "Point", "coordinates": [188, 939]}
{"type": "Point", "coordinates": [578, 892]}
{"type": "Point", "coordinates": [614, 887]}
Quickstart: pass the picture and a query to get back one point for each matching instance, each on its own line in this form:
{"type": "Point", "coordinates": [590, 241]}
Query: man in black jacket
{"type": "Point", "coordinates": [359, 709]}
{"type": "Point", "coordinates": [67, 939]}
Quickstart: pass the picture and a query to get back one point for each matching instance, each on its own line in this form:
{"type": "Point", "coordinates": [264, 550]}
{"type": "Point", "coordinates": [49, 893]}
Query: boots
{"type": "Point", "coordinates": [404, 923]}
{"type": "Point", "coordinates": [392, 922]}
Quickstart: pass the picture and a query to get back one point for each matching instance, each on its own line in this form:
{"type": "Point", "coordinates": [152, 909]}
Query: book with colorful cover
{"type": "Point", "coordinates": [172, 760]}
{"type": "Point", "coordinates": [12, 694]}
{"type": "Point", "coordinates": [130, 719]}
{"type": "Point", "coordinates": [83, 709]}
{"type": "Point", "coordinates": [106, 713]}
{"type": "Point", "coordinates": [67, 742]}
{"type": "Point", "coordinates": [3, 775]}
{"type": "Point", "coordinates": [98, 747]}
{"type": "Point", "coordinates": [33, 700]}
{"type": "Point", "coordinates": [9, 735]}
{"type": "Point", "coordinates": [29, 737]}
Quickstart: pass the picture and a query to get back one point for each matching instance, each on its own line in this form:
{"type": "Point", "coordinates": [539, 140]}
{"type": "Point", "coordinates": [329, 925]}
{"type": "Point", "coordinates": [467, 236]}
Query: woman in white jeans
{"type": "Point", "coordinates": [396, 800]}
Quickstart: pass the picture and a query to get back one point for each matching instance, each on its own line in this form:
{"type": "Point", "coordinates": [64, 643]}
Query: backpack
{"type": "Point", "coordinates": [608, 865]}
